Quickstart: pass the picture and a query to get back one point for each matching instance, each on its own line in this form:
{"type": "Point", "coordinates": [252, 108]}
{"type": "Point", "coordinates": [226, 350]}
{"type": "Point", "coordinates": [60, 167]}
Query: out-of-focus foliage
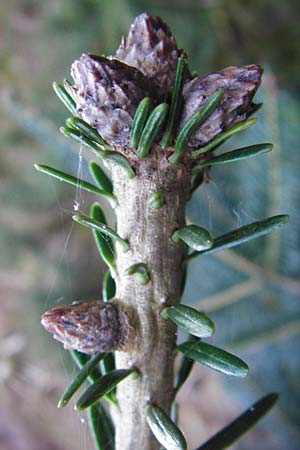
{"type": "Point", "coordinates": [252, 292]}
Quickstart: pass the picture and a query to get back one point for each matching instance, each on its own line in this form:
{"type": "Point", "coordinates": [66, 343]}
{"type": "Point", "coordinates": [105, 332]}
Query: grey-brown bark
{"type": "Point", "coordinates": [149, 233]}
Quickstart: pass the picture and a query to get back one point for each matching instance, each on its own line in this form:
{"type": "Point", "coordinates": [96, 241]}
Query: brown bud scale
{"type": "Point", "coordinates": [89, 327]}
{"type": "Point", "coordinates": [239, 85]}
{"type": "Point", "coordinates": [107, 93]}
{"type": "Point", "coordinates": [151, 48]}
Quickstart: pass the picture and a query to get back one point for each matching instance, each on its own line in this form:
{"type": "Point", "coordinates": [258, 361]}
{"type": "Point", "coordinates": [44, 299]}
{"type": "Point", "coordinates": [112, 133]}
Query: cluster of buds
{"type": "Point", "coordinates": [108, 90]}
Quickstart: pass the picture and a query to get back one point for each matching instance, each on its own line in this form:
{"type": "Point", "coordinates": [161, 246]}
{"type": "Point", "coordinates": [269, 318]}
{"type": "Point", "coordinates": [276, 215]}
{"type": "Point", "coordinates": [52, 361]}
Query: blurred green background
{"type": "Point", "coordinates": [252, 293]}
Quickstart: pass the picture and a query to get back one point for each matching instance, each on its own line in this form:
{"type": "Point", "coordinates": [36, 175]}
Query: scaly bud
{"type": "Point", "coordinates": [151, 48]}
{"type": "Point", "coordinates": [89, 327]}
{"type": "Point", "coordinates": [107, 93]}
{"type": "Point", "coordinates": [239, 85]}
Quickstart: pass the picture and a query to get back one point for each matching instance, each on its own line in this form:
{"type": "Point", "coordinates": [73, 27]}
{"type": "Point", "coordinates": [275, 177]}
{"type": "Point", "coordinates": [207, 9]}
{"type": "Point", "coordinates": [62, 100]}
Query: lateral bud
{"type": "Point", "coordinates": [89, 327]}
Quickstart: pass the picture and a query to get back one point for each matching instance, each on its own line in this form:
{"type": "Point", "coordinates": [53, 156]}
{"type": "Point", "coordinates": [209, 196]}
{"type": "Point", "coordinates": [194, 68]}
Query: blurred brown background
{"type": "Point", "coordinates": [251, 293]}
